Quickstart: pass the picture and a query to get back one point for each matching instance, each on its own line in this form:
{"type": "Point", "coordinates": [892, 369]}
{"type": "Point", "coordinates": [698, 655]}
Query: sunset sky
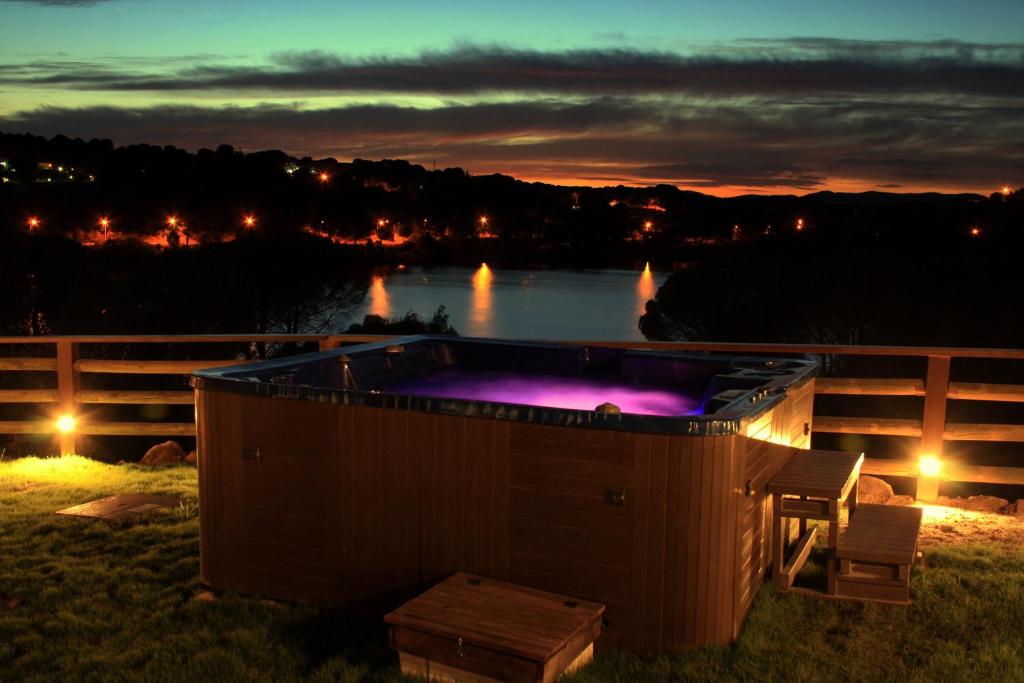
{"type": "Point", "coordinates": [721, 97]}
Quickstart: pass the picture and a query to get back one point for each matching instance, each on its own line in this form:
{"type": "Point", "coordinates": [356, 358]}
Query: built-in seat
{"type": "Point", "coordinates": [876, 551]}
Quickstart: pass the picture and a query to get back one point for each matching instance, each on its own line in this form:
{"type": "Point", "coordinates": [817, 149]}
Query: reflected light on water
{"type": "Point", "coordinates": [645, 287]}
{"type": "Point", "coordinates": [379, 304]}
{"type": "Point", "coordinates": [482, 317]}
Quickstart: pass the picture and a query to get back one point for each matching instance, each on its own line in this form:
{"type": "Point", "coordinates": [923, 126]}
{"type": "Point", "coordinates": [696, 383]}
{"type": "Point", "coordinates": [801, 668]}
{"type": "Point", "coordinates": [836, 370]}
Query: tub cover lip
{"type": "Point", "coordinates": [729, 420]}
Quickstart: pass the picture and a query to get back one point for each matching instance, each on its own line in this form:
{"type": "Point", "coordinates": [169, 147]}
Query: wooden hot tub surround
{"type": "Point", "coordinates": [350, 505]}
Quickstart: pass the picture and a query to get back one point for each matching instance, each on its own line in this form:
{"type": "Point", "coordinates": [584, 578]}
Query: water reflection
{"type": "Point", "coordinates": [482, 315]}
{"type": "Point", "coordinates": [378, 295]}
{"type": "Point", "coordinates": [645, 288]}
{"type": "Point", "coordinates": [524, 304]}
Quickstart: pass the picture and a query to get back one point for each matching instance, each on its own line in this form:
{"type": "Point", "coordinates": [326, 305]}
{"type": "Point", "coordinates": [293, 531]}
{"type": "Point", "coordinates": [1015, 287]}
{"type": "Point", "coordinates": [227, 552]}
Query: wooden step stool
{"type": "Point", "coordinates": [876, 552]}
{"type": "Point", "coordinates": [471, 628]}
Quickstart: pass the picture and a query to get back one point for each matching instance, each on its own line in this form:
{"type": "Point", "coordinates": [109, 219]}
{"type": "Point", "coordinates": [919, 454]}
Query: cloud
{"type": "Point", "coordinates": [56, 3]}
{"type": "Point", "coordinates": [791, 67]}
{"type": "Point", "coordinates": [775, 145]}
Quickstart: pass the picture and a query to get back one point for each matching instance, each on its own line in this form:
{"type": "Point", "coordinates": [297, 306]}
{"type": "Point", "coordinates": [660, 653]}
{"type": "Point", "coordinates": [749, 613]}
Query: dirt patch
{"type": "Point", "coordinates": [946, 525]}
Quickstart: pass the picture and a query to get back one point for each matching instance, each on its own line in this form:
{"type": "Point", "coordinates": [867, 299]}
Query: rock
{"type": "Point", "coordinates": [191, 458]}
{"type": "Point", "coordinates": [900, 500]}
{"type": "Point", "coordinates": [1018, 507]}
{"type": "Point", "coordinates": [873, 490]}
{"type": "Point", "coordinates": [163, 453]}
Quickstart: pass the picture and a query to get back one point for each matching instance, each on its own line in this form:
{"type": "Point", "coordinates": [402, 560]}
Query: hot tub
{"type": "Point", "coordinates": [357, 476]}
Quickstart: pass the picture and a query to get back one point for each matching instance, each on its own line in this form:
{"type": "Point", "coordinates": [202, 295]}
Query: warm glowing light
{"type": "Point", "coordinates": [483, 221]}
{"type": "Point", "coordinates": [648, 225]}
{"type": "Point", "coordinates": [929, 465]}
{"type": "Point", "coordinates": [1006, 189]}
{"type": "Point", "coordinates": [799, 223]}
{"type": "Point", "coordinates": [249, 221]}
{"type": "Point", "coordinates": [104, 223]}
{"type": "Point", "coordinates": [66, 424]}
{"type": "Point", "coordinates": [172, 221]}
{"type": "Point", "coordinates": [33, 222]}
{"type": "Point", "coordinates": [482, 315]}
{"type": "Point", "coordinates": [379, 302]}
{"type": "Point", "coordinates": [324, 177]}
{"type": "Point", "coordinates": [975, 232]}
{"type": "Point", "coordinates": [381, 222]}
{"type": "Point", "coordinates": [645, 288]}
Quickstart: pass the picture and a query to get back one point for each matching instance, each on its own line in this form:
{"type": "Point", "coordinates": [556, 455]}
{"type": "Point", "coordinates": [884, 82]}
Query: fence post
{"type": "Point", "coordinates": [933, 426]}
{"type": "Point", "coordinates": [67, 387]}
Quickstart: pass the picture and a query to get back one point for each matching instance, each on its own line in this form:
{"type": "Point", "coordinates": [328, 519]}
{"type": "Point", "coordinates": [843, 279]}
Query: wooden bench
{"type": "Point", "coordinates": [471, 628]}
{"type": "Point", "coordinates": [813, 484]}
{"type": "Point", "coordinates": [875, 553]}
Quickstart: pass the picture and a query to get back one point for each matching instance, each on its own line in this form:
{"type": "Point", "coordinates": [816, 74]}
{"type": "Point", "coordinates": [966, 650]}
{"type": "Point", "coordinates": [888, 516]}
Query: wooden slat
{"type": "Point", "coordinates": [137, 428]}
{"type": "Point", "coordinates": [720, 347]}
{"type": "Point", "coordinates": [978, 474]}
{"type": "Point", "coordinates": [974, 391]}
{"type": "Point", "coordinates": [27, 364]}
{"type": "Point", "coordinates": [28, 396]}
{"type": "Point", "coordinates": [856, 386]}
{"type": "Point", "coordinates": [135, 397]}
{"type": "Point", "coordinates": [867, 425]}
{"type": "Point", "coordinates": [150, 367]}
{"type": "Point", "coordinates": [27, 427]}
{"type": "Point", "coordinates": [799, 556]}
{"type": "Point", "coordinates": [192, 338]}
{"type": "Point", "coordinates": [963, 431]}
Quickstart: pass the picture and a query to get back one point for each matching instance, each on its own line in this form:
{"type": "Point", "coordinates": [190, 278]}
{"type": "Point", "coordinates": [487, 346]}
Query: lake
{"type": "Point", "coordinates": [539, 304]}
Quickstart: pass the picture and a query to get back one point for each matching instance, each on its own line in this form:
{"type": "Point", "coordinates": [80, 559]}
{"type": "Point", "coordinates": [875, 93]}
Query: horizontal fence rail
{"type": "Point", "coordinates": [932, 428]}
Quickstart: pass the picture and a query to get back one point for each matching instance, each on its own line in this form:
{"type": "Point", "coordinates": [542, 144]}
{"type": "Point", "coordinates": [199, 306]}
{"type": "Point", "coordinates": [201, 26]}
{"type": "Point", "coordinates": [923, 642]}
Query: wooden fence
{"type": "Point", "coordinates": [932, 428]}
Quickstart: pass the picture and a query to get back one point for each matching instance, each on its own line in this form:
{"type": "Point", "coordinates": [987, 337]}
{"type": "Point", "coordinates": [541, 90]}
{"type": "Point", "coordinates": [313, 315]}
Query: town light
{"type": "Point", "coordinates": [483, 220]}
{"type": "Point", "coordinates": [648, 225]}
{"type": "Point", "coordinates": [799, 223]}
{"type": "Point", "coordinates": [975, 232]}
{"type": "Point", "coordinates": [929, 465]}
{"type": "Point", "coordinates": [324, 177]}
{"type": "Point", "coordinates": [1006, 190]}
{"type": "Point", "coordinates": [33, 222]}
{"type": "Point", "coordinates": [172, 221]}
{"type": "Point", "coordinates": [104, 223]}
{"type": "Point", "coordinates": [66, 423]}
{"type": "Point", "coordinates": [249, 221]}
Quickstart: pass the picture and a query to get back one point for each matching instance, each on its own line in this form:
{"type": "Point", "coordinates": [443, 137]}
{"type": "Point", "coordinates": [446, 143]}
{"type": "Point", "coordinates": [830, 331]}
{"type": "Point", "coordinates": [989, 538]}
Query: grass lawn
{"type": "Point", "coordinates": [81, 600]}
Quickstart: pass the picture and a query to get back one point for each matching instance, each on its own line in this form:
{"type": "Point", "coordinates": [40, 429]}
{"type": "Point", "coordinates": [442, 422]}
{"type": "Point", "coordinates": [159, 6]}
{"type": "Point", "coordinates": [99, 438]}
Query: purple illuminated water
{"type": "Point", "coordinates": [554, 391]}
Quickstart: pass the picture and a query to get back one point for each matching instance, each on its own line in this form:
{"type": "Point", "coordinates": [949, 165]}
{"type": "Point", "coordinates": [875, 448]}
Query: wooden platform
{"type": "Point", "coordinates": [120, 507]}
{"type": "Point", "coordinates": [876, 552]}
{"type": "Point", "coordinates": [471, 628]}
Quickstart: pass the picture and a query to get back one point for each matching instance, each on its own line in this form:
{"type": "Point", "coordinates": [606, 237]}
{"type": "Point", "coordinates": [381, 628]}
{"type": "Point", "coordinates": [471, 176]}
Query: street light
{"type": "Point", "coordinates": [33, 223]}
{"type": "Point", "coordinates": [249, 221]}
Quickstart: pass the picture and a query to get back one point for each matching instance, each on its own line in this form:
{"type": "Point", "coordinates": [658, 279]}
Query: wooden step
{"type": "Point", "coordinates": [472, 628]}
{"type": "Point", "coordinates": [876, 552]}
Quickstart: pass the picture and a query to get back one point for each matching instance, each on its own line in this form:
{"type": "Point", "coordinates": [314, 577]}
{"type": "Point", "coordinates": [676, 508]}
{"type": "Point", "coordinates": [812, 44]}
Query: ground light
{"type": "Point", "coordinates": [66, 424]}
{"type": "Point", "coordinates": [930, 467]}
